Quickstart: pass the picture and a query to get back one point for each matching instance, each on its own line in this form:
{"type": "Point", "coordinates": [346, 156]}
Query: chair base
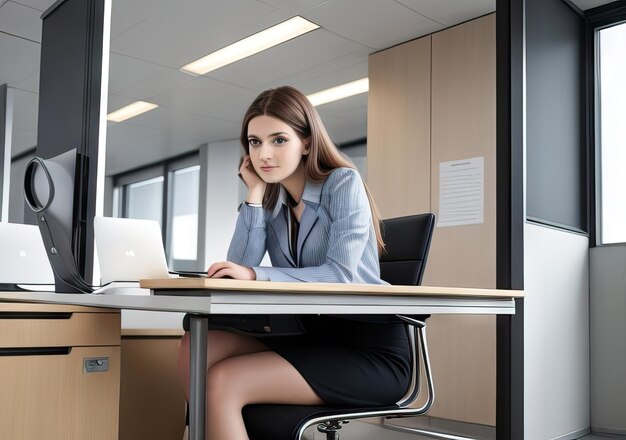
{"type": "Point", "coordinates": [331, 428]}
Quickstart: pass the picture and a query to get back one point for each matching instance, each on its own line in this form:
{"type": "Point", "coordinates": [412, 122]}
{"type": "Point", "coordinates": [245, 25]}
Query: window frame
{"type": "Point", "coordinates": [596, 19]}
{"type": "Point", "coordinates": [171, 167]}
{"type": "Point", "coordinates": [166, 168]}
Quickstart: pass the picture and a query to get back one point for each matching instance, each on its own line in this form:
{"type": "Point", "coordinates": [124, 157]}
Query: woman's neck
{"type": "Point", "coordinates": [295, 183]}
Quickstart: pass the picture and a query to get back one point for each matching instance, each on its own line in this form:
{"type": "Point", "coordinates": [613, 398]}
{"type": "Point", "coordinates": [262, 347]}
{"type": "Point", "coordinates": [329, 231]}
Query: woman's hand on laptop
{"type": "Point", "coordinates": [228, 269]}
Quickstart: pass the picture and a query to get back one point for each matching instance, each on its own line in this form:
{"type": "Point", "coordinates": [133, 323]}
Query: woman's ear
{"type": "Point", "coordinates": [307, 147]}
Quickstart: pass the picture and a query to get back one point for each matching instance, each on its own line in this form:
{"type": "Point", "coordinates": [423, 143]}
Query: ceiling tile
{"type": "Point", "coordinates": [295, 6]}
{"type": "Point", "coordinates": [320, 70]}
{"type": "Point", "coordinates": [126, 71]}
{"type": "Point", "coordinates": [333, 78]}
{"type": "Point", "coordinates": [187, 30]}
{"type": "Point", "coordinates": [203, 96]}
{"type": "Point", "coordinates": [20, 20]}
{"type": "Point", "coordinates": [261, 70]}
{"type": "Point", "coordinates": [40, 5]}
{"type": "Point", "coordinates": [417, 30]}
{"type": "Point", "coordinates": [173, 124]}
{"type": "Point", "coordinates": [126, 14]}
{"type": "Point", "coordinates": [365, 21]}
{"type": "Point", "coordinates": [116, 102]}
{"type": "Point", "coordinates": [233, 113]}
{"type": "Point", "coordinates": [450, 12]}
{"type": "Point", "coordinates": [154, 85]}
{"type": "Point", "coordinates": [122, 133]}
{"type": "Point", "coordinates": [19, 58]}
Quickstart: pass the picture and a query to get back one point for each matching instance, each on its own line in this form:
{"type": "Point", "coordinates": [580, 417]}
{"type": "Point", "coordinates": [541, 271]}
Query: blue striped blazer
{"type": "Point", "coordinates": [336, 241]}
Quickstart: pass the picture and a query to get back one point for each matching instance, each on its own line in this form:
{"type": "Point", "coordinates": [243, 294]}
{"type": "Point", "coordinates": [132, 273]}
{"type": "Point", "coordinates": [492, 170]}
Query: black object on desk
{"type": "Point", "coordinates": [50, 193]}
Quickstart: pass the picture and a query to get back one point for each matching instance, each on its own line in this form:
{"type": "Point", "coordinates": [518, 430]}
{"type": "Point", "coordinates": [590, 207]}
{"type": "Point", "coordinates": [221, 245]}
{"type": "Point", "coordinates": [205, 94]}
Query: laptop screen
{"type": "Point", "coordinates": [129, 249]}
{"type": "Point", "coordinates": [23, 258]}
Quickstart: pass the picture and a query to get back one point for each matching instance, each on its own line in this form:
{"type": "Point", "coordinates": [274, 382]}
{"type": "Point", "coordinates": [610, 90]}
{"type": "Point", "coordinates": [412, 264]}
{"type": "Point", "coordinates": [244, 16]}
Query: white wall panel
{"type": "Point", "coordinates": [222, 198]}
{"type": "Point", "coordinates": [608, 339]}
{"type": "Point", "coordinates": [556, 333]}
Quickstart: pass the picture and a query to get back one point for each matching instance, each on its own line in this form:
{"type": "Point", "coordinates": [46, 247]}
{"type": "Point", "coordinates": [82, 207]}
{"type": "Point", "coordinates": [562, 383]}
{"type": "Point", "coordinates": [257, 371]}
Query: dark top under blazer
{"type": "Point", "coordinates": [336, 240]}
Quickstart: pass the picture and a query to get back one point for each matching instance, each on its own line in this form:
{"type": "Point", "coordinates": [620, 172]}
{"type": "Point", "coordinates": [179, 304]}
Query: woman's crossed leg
{"type": "Point", "coordinates": [242, 371]}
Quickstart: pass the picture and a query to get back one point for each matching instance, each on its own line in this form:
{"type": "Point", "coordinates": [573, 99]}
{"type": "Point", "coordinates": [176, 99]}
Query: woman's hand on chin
{"type": "Point", "coordinates": [228, 269]}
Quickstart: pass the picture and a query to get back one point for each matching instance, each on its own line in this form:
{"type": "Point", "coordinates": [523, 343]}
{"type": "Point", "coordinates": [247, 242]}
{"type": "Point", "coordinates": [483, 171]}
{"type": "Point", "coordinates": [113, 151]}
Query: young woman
{"type": "Point", "coordinates": [310, 210]}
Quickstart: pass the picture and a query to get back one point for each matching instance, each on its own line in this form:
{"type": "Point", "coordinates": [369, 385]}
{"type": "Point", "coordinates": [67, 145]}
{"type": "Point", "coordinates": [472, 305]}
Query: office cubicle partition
{"type": "Point", "coordinates": [70, 97]}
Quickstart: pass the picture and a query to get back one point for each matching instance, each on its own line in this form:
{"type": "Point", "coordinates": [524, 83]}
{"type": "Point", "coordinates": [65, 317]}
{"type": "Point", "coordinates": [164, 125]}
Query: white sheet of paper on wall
{"type": "Point", "coordinates": [461, 192]}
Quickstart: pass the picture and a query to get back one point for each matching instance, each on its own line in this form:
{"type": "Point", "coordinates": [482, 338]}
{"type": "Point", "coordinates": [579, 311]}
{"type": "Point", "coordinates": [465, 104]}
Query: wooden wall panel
{"type": "Point", "coordinates": [464, 126]}
{"type": "Point", "coordinates": [402, 141]}
{"type": "Point", "coordinates": [398, 128]}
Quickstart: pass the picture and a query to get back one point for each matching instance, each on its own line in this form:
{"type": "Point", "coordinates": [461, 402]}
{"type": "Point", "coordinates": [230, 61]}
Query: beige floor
{"type": "Point", "coordinates": [602, 437]}
{"type": "Point", "coordinates": [367, 431]}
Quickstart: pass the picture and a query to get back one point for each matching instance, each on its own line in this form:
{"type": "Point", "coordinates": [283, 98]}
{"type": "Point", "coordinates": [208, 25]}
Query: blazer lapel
{"type": "Point", "coordinates": [308, 219]}
{"type": "Point", "coordinates": [279, 224]}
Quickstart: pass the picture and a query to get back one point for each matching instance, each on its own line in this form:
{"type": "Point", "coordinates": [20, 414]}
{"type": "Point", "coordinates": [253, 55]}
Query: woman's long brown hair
{"type": "Point", "coordinates": [293, 108]}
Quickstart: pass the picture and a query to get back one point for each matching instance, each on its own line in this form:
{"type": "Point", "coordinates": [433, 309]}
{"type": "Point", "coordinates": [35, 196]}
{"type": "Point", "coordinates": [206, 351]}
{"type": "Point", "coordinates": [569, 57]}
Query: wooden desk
{"type": "Point", "coordinates": [201, 297]}
{"type": "Point", "coordinates": [235, 296]}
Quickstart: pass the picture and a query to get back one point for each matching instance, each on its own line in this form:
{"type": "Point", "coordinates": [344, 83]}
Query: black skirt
{"type": "Point", "coordinates": [348, 362]}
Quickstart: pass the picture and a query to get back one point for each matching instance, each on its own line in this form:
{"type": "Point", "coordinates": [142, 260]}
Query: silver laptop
{"type": "Point", "coordinates": [129, 249]}
{"type": "Point", "coordinates": [23, 258]}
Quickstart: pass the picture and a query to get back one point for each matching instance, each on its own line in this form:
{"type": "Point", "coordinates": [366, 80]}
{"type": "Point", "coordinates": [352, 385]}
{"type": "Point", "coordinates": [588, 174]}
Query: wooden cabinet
{"type": "Point", "coordinates": [59, 372]}
{"type": "Point", "coordinates": [152, 404]}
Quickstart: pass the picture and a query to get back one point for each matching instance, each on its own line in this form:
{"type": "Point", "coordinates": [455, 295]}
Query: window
{"type": "Point", "coordinates": [183, 244]}
{"type": "Point", "coordinates": [144, 200]}
{"type": "Point", "coordinates": [170, 194]}
{"type": "Point", "coordinates": [611, 133]}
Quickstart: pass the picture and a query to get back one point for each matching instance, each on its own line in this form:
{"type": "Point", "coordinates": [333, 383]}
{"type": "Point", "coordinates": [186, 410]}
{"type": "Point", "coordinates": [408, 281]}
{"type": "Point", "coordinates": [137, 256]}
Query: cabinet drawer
{"type": "Point", "coordinates": [52, 396]}
{"type": "Point", "coordinates": [55, 327]}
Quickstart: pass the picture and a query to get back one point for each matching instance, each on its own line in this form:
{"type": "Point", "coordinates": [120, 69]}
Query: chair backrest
{"type": "Point", "coordinates": [407, 240]}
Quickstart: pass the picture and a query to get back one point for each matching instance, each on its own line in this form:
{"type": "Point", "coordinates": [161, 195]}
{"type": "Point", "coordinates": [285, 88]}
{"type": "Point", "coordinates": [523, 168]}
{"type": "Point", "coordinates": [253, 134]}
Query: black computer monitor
{"type": "Point", "coordinates": [50, 192]}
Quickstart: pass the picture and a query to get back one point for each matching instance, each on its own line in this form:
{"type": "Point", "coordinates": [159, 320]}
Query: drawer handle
{"type": "Point", "coordinates": [96, 365]}
{"type": "Point", "coordinates": [36, 351]}
{"type": "Point", "coordinates": [35, 315]}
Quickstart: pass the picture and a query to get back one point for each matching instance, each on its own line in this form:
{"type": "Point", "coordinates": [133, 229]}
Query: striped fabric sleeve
{"type": "Point", "coordinates": [351, 220]}
{"type": "Point", "coordinates": [247, 246]}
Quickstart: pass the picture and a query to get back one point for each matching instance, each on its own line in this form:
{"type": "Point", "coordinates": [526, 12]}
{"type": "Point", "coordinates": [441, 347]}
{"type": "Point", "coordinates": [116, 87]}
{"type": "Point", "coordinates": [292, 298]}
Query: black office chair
{"type": "Point", "coordinates": [407, 240]}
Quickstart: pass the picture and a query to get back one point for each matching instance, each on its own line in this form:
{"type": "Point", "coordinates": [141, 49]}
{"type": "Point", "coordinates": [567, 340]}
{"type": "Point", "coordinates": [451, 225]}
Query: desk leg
{"type": "Point", "coordinates": [198, 328]}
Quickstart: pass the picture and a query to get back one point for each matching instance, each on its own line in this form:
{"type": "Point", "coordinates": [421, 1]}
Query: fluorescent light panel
{"type": "Point", "coordinates": [340, 92]}
{"type": "Point", "coordinates": [130, 111]}
{"type": "Point", "coordinates": [287, 30]}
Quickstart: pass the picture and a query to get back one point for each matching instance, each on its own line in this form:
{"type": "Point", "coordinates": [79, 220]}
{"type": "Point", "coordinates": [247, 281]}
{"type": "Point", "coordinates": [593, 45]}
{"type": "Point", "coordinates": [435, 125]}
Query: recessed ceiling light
{"type": "Point", "coordinates": [287, 30]}
{"type": "Point", "coordinates": [339, 92]}
{"type": "Point", "coordinates": [130, 111]}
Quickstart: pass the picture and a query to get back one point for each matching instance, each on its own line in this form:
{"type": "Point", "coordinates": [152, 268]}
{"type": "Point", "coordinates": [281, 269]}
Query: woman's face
{"type": "Point", "coordinates": [276, 150]}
